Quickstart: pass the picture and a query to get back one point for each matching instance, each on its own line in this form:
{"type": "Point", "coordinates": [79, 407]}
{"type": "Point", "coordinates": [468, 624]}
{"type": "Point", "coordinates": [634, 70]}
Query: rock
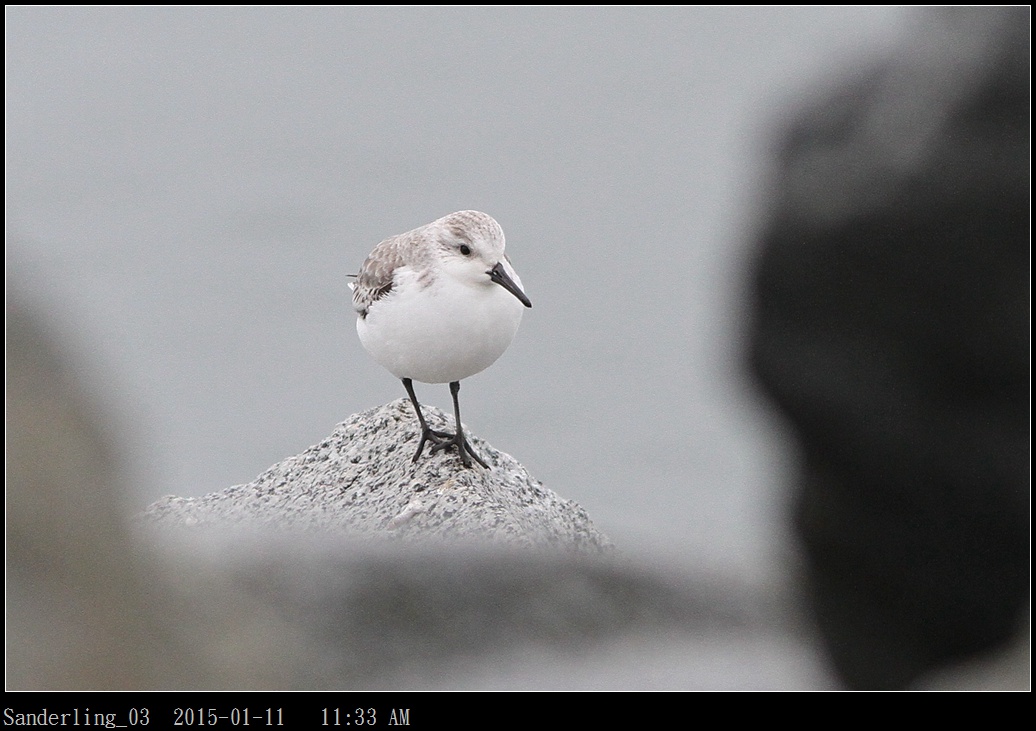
{"type": "Point", "coordinates": [82, 611]}
{"type": "Point", "coordinates": [891, 326]}
{"type": "Point", "coordinates": [318, 611]}
{"type": "Point", "coordinates": [361, 481]}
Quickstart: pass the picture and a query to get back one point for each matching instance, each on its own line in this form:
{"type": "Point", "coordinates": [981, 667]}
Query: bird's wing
{"type": "Point", "coordinates": [376, 275]}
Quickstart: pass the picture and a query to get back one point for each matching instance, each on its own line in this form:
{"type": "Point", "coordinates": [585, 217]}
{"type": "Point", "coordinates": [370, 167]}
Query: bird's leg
{"type": "Point", "coordinates": [458, 440]}
{"type": "Point", "coordinates": [437, 438]}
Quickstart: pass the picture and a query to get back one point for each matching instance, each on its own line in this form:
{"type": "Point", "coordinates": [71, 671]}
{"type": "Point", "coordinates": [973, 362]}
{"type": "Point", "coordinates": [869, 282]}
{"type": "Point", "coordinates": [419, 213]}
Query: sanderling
{"type": "Point", "coordinates": [438, 304]}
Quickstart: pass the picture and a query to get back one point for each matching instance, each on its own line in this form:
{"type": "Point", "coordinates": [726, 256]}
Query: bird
{"type": "Point", "coordinates": [436, 305]}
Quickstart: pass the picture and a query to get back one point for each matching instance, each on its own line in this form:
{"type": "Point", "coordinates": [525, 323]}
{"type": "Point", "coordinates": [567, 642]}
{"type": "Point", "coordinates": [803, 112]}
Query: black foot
{"type": "Point", "coordinates": [463, 449]}
{"type": "Point", "coordinates": [437, 438]}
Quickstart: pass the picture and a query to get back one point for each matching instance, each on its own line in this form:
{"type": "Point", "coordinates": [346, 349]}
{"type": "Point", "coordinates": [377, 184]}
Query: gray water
{"type": "Point", "coordinates": [187, 189]}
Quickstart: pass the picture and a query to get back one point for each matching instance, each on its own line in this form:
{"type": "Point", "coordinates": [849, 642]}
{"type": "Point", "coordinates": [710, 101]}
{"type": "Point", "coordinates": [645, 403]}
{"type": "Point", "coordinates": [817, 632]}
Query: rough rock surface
{"type": "Point", "coordinates": [361, 480]}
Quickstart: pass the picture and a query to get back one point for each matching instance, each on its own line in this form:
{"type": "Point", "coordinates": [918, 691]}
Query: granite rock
{"type": "Point", "coordinates": [362, 481]}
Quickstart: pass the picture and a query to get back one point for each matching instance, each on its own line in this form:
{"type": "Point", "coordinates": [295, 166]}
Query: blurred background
{"type": "Point", "coordinates": [187, 189]}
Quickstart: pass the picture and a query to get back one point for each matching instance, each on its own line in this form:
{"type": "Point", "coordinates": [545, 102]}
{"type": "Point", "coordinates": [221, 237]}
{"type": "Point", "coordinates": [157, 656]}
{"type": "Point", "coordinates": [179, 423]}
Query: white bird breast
{"type": "Point", "coordinates": [446, 331]}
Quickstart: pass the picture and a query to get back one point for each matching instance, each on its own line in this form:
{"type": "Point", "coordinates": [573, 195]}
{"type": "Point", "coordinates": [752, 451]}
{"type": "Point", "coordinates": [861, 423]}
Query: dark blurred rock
{"type": "Point", "coordinates": [891, 325]}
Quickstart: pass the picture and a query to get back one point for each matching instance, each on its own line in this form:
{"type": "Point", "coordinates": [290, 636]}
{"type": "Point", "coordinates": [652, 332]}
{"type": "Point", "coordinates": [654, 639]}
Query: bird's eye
{"type": "Point", "coordinates": [465, 250]}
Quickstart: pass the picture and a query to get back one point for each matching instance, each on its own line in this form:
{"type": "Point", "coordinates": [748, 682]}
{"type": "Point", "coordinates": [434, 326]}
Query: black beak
{"type": "Point", "coordinates": [498, 275]}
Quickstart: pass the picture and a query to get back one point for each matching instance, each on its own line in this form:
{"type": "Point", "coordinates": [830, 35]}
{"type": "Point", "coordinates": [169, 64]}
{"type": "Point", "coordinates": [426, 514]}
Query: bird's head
{"type": "Point", "coordinates": [471, 246]}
